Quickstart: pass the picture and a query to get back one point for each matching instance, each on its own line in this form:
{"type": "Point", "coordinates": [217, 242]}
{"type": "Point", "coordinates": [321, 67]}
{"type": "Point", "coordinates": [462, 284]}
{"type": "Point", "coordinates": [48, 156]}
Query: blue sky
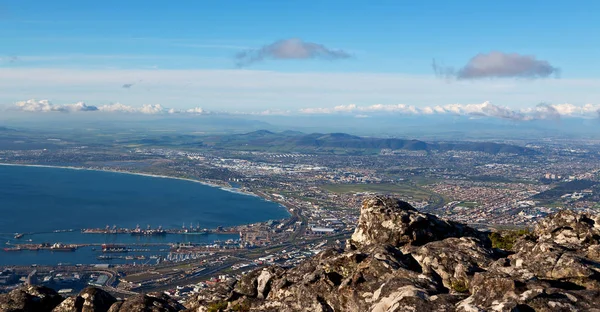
{"type": "Point", "coordinates": [182, 55]}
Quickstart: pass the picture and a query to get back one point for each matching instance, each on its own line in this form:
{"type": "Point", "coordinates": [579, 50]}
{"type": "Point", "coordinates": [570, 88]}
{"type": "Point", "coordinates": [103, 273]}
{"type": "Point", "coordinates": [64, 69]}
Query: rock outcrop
{"type": "Point", "coordinates": [398, 259]}
{"type": "Point", "coordinates": [152, 302]}
{"type": "Point", "coordinates": [90, 299]}
{"type": "Point", "coordinates": [30, 299]}
{"type": "Point", "coordinates": [387, 221]}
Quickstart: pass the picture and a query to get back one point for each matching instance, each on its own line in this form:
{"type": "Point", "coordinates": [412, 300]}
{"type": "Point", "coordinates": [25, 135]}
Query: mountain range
{"type": "Point", "coordinates": [293, 141]}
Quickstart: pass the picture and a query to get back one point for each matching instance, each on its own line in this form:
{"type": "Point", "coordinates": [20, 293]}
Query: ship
{"type": "Point", "coordinates": [114, 248]}
{"type": "Point", "coordinates": [148, 231]}
{"type": "Point", "coordinates": [12, 249]}
{"type": "Point", "coordinates": [192, 230]}
{"type": "Point", "coordinates": [63, 247]}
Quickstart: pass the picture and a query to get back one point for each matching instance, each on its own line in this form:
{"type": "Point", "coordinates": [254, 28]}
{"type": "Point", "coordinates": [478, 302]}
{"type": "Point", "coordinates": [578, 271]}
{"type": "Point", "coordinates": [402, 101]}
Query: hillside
{"type": "Point", "coordinates": [290, 141]}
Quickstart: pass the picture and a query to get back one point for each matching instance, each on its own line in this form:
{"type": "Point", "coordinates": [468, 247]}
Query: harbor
{"type": "Point", "coordinates": [114, 245]}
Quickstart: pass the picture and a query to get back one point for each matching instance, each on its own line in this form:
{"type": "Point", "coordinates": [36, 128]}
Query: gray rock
{"type": "Point", "coordinates": [388, 221]}
{"type": "Point", "coordinates": [30, 299]}
{"type": "Point", "coordinates": [402, 260]}
{"type": "Point", "coordinates": [455, 260]}
{"type": "Point", "coordinates": [91, 299]}
{"type": "Point", "coordinates": [152, 302]}
{"type": "Point", "coordinates": [569, 229]}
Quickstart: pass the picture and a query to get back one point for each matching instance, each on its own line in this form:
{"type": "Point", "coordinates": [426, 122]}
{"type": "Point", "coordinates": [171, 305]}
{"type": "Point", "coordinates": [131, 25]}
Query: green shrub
{"type": "Point", "coordinates": [241, 307]}
{"type": "Point", "coordinates": [459, 286]}
{"type": "Point", "coordinates": [217, 306]}
{"type": "Point", "coordinates": [506, 240]}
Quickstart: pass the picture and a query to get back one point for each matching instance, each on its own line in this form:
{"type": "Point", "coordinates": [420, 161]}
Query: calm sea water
{"type": "Point", "coordinates": [42, 200]}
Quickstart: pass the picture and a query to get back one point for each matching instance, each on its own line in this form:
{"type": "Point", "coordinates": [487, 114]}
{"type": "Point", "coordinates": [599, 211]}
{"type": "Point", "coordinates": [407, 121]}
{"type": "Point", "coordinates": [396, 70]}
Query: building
{"type": "Point", "coordinates": [322, 230]}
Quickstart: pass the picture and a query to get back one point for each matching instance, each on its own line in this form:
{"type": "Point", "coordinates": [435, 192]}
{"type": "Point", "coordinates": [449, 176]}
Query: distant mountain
{"type": "Point", "coordinates": [292, 141]}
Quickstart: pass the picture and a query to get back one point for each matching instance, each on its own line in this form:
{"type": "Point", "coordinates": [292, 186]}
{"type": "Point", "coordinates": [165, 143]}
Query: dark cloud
{"type": "Point", "coordinates": [289, 49]}
{"type": "Point", "coordinates": [498, 65]}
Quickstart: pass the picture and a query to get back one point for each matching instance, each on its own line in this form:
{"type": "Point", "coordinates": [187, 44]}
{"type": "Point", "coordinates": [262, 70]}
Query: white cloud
{"type": "Point", "coordinates": [573, 110]}
{"type": "Point", "coordinates": [271, 112]}
{"type": "Point", "coordinates": [151, 109]}
{"type": "Point", "coordinates": [317, 110]}
{"type": "Point", "coordinates": [144, 109]}
{"type": "Point", "coordinates": [122, 108]}
{"type": "Point", "coordinates": [117, 107]}
{"type": "Point", "coordinates": [254, 90]}
{"type": "Point", "coordinates": [540, 111]}
{"type": "Point", "coordinates": [47, 106]}
{"type": "Point", "coordinates": [396, 108]}
{"type": "Point", "coordinates": [196, 110]}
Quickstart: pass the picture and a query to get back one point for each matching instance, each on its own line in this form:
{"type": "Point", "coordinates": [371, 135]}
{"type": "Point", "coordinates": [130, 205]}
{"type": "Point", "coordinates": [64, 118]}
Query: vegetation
{"type": "Point", "coordinates": [241, 307]}
{"type": "Point", "coordinates": [468, 204]}
{"type": "Point", "coordinates": [341, 143]}
{"type": "Point", "coordinates": [565, 188]}
{"type": "Point", "coordinates": [459, 286]}
{"type": "Point", "coordinates": [217, 306]}
{"type": "Point", "coordinates": [507, 239]}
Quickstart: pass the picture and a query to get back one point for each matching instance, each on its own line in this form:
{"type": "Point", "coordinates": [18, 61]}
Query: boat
{"type": "Point", "coordinates": [114, 248]}
{"type": "Point", "coordinates": [18, 235]}
{"type": "Point", "coordinates": [63, 247]}
{"type": "Point", "coordinates": [12, 249]}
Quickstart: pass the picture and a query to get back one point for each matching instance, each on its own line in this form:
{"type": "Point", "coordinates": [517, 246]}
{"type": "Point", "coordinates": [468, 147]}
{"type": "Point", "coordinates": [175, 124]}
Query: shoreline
{"type": "Point", "coordinates": [205, 183]}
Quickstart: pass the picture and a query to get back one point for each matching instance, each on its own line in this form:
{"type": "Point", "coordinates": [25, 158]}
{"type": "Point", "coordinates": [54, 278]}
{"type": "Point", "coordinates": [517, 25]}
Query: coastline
{"type": "Point", "coordinates": [221, 187]}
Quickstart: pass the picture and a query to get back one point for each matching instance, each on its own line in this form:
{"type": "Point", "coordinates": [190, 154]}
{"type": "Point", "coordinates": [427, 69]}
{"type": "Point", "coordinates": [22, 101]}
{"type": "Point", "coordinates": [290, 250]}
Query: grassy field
{"type": "Point", "coordinates": [405, 190]}
{"type": "Point", "coordinates": [468, 204]}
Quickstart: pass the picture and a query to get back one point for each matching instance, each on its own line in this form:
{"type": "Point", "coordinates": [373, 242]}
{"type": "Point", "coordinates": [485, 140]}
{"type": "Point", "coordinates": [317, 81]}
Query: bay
{"type": "Point", "coordinates": [42, 200]}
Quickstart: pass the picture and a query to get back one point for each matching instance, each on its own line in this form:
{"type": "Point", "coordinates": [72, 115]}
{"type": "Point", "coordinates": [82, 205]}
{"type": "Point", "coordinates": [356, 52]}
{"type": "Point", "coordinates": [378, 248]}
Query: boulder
{"type": "Point", "coordinates": [389, 221]}
{"type": "Point", "coordinates": [454, 260]}
{"type": "Point", "coordinates": [152, 302]}
{"type": "Point", "coordinates": [30, 299]}
{"type": "Point", "coordinates": [91, 299]}
{"type": "Point", "coordinates": [569, 229]}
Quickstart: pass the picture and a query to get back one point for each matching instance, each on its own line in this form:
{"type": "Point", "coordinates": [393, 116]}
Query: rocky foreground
{"type": "Point", "coordinates": [397, 260]}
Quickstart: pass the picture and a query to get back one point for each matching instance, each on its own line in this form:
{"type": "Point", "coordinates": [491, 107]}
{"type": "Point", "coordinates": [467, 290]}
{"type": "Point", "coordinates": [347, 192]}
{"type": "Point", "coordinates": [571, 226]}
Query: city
{"type": "Point", "coordinates": [321, 191]}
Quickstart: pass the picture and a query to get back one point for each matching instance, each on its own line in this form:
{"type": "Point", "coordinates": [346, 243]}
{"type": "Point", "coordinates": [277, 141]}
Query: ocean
{"type": "Point", "coordinates": [42, 201]}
